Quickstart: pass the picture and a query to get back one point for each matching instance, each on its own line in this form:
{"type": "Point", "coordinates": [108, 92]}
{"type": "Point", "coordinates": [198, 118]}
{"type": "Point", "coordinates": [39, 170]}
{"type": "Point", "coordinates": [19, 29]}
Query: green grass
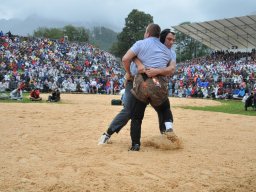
{"type": "Point", "coordinates": [227, 106]}
{"type": "Point", "coordinates": [24, 100]}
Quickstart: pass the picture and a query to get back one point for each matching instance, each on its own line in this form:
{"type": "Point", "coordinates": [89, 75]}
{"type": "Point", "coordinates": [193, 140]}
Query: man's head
{"type": "Point", "coordinates": [167, 37]}
{"type": "Point", "coordinates": [152, 30]}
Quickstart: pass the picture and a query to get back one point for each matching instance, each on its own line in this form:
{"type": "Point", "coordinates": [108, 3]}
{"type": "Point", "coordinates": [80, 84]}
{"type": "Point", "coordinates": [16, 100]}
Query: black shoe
{"type": "Point", "coordinates": [135, 147]}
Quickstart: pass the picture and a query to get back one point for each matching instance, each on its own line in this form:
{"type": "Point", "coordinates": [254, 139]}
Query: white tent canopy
{"type": "Point", "coordinates": [238, 33]}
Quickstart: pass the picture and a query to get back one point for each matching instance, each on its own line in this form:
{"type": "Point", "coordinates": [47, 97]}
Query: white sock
{"type": "Point", "coordinates": [168, 125]}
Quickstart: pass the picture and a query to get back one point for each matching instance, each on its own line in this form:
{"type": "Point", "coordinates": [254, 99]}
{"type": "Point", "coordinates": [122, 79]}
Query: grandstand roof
{"type": "Point", "coordinates": [237, 33]}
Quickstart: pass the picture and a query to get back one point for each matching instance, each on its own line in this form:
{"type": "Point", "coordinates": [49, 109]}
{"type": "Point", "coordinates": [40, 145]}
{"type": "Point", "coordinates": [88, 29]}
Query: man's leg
{"type": "Point", "coordinates": [164, 115]}
{"type": "Point", "coordinates": [160, 121]}
{"type": "Point", "coordinates": [165, 111]}
{"type": "Point", "coordinates": [122, 117]}
{"type": "Point", "coordinates": [136, 121]}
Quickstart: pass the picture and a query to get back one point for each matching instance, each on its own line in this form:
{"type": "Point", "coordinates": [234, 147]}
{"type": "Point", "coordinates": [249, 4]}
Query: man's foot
{"type": "Point", "coordinates": [104, 139]}
{"type": "Point", "coordinates": [135, 147]}
{"type": "Point", "coordinates": [171, 135]}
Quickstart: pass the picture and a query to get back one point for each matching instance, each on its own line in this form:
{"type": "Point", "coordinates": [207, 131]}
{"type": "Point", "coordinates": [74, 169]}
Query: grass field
{"type": "Point", "coordinates": [24, 100]}
{"type": "Point", "coordinates": [227, 106]}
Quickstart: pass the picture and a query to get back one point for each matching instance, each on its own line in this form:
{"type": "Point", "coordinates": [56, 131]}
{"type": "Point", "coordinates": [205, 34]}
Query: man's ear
{"type": "Point", "coordinates": [146, 35]}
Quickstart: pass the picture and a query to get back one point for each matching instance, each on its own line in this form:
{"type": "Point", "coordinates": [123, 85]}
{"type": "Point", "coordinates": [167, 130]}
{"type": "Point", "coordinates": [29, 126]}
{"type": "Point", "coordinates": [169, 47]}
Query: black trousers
{"type": "Point", "coordinates": [136, 120]}
{"type": "Point", "coordinates": [164, 115]}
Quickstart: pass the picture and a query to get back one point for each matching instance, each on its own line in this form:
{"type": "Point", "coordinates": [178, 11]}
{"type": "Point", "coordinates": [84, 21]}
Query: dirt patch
{"type": "Point", "coordinates": [53, 147]}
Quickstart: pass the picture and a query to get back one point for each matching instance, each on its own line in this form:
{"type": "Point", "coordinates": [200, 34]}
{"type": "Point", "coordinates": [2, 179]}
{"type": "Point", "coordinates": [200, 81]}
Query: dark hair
{"type": "Point", "coordinates": [164, 33]}
{"type": "Point", "coordinates": [154, 30]}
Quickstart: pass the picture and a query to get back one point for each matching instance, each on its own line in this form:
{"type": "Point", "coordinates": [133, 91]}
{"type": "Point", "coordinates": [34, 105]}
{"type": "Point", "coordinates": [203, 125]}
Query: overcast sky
{"type": "Point", "coordinates": [166, 13]}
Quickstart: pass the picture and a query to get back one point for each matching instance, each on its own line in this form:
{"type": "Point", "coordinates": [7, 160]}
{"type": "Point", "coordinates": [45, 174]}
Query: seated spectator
{"type": "Point", "coordinates": [249, 102]}
{"type": "Point", "coordinates": [108, 87]}
{"type": "Point", "coordinates": [245, 97]}
{"type": "Point", "coordinates": [2, 86]}
{"type": "Point", "coordinates": [200, 93]}
{"type": "Point", "coordinates": [35, 95]}
{"type": "Point", "coordinates": [94, 86]}
{"type": "Point", "coordinates": [194, 92]}
{"type": "Point", "coordinates": [16, 94]}
{"type": "Point", "coordinates": [254, 99]}
{"type": "Point", "coordinates": [240, 94]}
{"type": "Point", "coordinates": [205, 92]}
{"type": "Point", "coordinates": [4, 96]}
{"type": "Point", "coordinates": [55, 97]}
{"type": "Point", "coordinates": [116, 89]}
{"type": "Point", "coordinates": [78, 88]}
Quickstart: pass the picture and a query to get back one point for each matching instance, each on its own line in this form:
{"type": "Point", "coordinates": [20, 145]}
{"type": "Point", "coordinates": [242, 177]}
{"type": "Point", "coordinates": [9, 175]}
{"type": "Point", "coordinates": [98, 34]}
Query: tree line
{"type": "Point", "coordinates": [118, 43]}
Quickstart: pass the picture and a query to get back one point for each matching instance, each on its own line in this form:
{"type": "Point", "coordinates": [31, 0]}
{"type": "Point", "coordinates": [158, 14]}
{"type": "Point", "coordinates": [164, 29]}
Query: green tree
{"type": "Point", "coordinates": [135, 25]}
{"type": "Point", "coordinates": [102, 37]}
{"type": "Point", "coordinates": [188, 48]}
{"type": "Point", "coordinates": [79, 34]}
{"type": "Point", "coordinates": [76, 33]}
{"type": "Point", "coordinates": [53, 33]}
{"type": "Point", "coordinates": [82, 34]}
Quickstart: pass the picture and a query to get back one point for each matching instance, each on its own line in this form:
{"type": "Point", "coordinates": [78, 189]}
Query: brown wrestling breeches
{"type": "Point", "coordinates": [150, 90]}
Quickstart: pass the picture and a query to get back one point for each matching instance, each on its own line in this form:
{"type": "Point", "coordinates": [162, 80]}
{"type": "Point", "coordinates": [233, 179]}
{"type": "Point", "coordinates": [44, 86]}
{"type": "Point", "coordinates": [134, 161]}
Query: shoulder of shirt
{"type": "Point", "coordinates": [171, 49]}
{"type": "Point", "coordinates": [151, 39]}
{"type": "Point", "coordinates": [139, 41]}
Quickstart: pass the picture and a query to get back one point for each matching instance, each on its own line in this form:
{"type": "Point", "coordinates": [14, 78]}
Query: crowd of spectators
{"type": "Point", "coordinates": [48, 64]}
{"type": "Point", "coordinates": [222, 74]}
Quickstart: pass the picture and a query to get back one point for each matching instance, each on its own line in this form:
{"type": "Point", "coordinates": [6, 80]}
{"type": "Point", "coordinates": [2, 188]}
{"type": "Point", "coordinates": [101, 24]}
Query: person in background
{"type": "Point", "coordinates": [55, 97]}
{"type": "Point", "coordinates": [250, 101]}
{"type": "Point", "coordinates": [17, 94]}
{"type": "Point", "coordinates": [35, 95]}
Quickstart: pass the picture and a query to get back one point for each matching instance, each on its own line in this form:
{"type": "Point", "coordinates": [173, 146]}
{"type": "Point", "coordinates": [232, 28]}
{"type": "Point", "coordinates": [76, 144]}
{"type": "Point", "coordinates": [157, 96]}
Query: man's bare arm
{"type": "Point", "coordinates": [167, 71]}
{"type": "Point", "coordinates": [140, 66]}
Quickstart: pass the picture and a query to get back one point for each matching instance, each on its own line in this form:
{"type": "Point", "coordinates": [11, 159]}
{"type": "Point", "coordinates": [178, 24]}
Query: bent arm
{"type": "Point", "coordinates": [170, 70]}
{"type": "Point", "coordinates": [140, 66]}
{"type": "Point", "coordinates": [127, 59]}
{"type": "Point", "coordinates": [167, 71]}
